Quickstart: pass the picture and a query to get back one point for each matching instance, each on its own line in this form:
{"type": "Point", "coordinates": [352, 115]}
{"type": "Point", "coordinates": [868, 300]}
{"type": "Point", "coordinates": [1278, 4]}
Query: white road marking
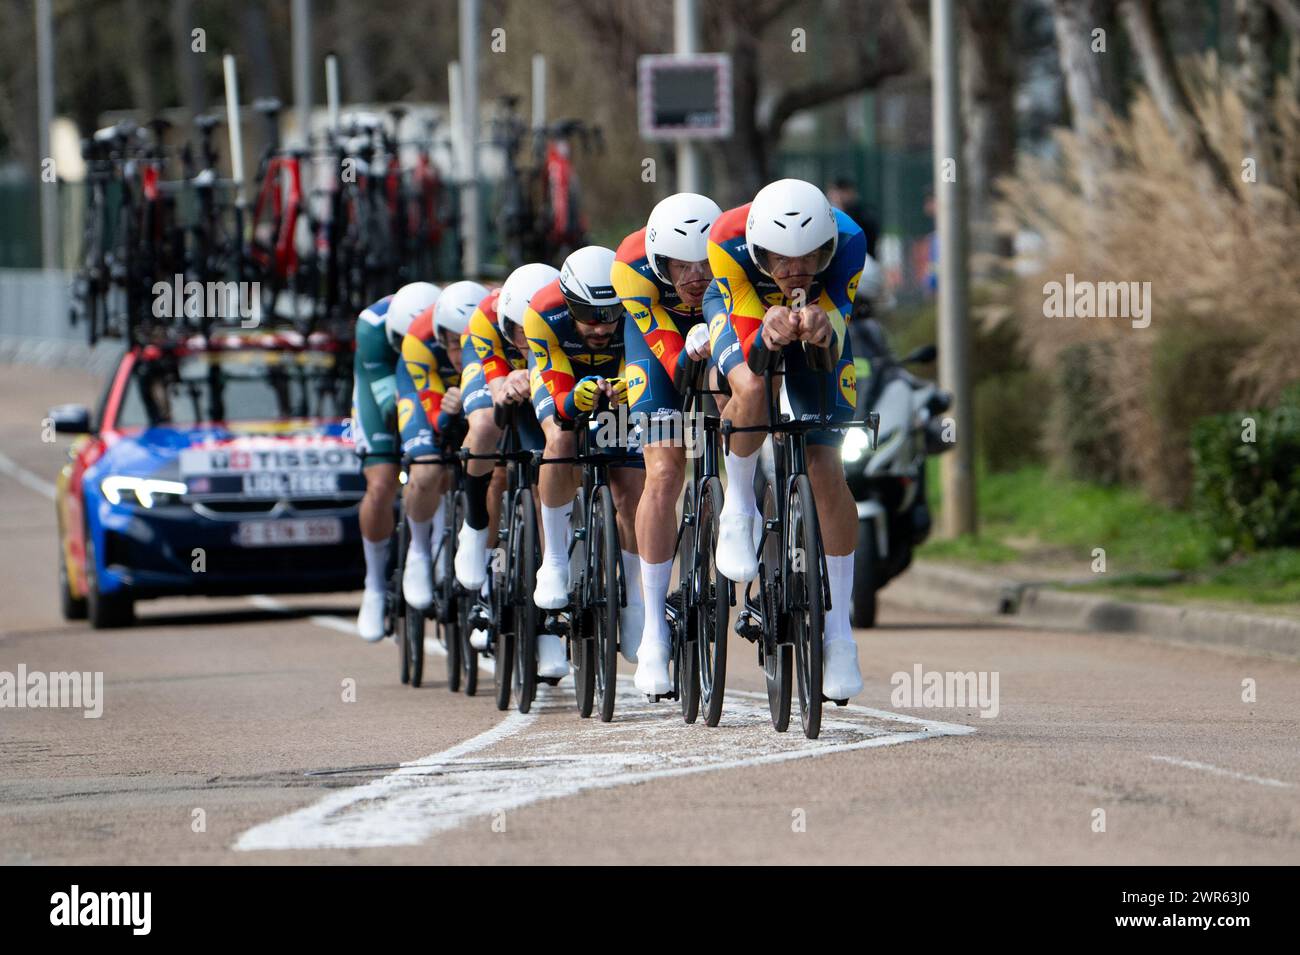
{"type": "Point", "coordinates": [1218, 771]}
{"type": "Point", "coordinates": [645, 742]}
{"type": "Point", "coordinates": [28, 479]}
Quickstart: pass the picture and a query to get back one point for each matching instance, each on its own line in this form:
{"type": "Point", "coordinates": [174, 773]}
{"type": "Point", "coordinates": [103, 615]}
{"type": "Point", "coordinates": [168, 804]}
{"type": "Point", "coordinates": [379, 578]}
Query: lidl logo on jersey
{"type": "Point", "coordinates": [405, 408]}
{"type": "Point", "coordinates": [849, 384]}
{"type": "Point", "coordinates": [470, 370]}
{"type": "Point", "coordinates": [637, 380]}
{"type": "Point", "coordinates": [853, 286]}
{"type": "Point", "coordinates": [419, 375]}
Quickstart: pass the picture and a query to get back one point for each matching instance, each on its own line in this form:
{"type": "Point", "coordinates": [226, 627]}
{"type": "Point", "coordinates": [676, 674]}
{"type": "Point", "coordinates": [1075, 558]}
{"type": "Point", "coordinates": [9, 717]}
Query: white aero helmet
{"type": "Point", "coordinates": [678, 228]}
{"type": "Point", "coordinates": [792, 218]}
{"type": "Point", "coordinates": [587, 286]}
{"type": "Point", "coordinates": [456, 306]}
{"type": "Point", "coordinates": [408, 302]}
{"type": "Point", "coordinates": [521, 285]}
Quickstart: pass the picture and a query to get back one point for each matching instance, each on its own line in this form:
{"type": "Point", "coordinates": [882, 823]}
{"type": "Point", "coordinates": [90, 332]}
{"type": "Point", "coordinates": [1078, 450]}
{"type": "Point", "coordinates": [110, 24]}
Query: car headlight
{"type": "Point", "coordinates": [856, 445]}
{"type": "Point", "coordinates": [148, 491]}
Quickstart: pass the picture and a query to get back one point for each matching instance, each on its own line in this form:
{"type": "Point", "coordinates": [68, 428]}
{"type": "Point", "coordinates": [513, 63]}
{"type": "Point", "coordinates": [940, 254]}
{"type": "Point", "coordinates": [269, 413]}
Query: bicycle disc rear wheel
{"type": "Point", "coordinates": [503, 635]}
{"type": "Point", "coordinates": [807, 618]}
{"type": "Point", "coordinates": [603, 592]}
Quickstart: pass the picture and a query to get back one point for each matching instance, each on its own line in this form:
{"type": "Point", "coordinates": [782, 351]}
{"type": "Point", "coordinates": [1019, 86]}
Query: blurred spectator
{"type": "Point", "coordinates": [843, 195]}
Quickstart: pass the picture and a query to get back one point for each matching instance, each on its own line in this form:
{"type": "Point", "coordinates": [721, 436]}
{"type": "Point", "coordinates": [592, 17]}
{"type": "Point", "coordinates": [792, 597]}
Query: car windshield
{"type": "Point", "coordinates": [251, 384]}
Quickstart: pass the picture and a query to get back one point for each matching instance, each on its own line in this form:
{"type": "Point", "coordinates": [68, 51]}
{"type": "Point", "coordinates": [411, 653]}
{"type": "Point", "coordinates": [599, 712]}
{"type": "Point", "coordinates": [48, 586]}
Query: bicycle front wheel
{"type": "Point", "coordinates": [713, 593]}
{"type": "Point", "coordinates": [524, 560]}
{"type": "Point", "coordinates": [807, 617]}
{"type": "Point", "coordinates": [774, 655]}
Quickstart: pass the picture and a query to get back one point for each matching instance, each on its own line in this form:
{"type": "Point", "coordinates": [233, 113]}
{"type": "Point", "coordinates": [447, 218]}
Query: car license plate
{"type": "Point", "coordinates": [287, 533]}
{"type": "Point", "coordinates": [290, 483]}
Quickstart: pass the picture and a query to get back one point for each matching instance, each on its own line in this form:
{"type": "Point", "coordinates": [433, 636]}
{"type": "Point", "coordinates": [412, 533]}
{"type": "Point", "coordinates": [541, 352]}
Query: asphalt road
{"type": "Point", "coordinates": [226, 737]}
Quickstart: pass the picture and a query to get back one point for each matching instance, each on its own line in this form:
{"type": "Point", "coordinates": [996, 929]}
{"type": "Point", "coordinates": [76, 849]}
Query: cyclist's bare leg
{"type": "Point", "coordinates": [471, 552]}
{"type": "Point", "coordinates": [558, 484]}
{"type": "Point", "coordinates": [737, 521]}
{"type": "Point", "coordinates": [376, 512]}
{"type": "Point", "coordinates": [376, 518]}
{"type": "Point", "coordinates": [837, 515]}
{"type": "Point", "coordinates": [836, 510]}
{"type": "Point", "coordinates": [665, 474]}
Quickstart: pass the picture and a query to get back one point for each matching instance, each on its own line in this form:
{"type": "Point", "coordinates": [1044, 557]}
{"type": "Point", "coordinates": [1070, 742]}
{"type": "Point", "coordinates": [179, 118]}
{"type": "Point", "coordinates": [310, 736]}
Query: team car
{"type": "Point", "coordinates": [214, 465]}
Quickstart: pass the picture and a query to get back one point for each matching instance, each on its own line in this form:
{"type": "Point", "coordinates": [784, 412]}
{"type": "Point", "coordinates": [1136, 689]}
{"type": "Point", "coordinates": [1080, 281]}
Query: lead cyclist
{"type": "Point", "coordinates": [786, 268]}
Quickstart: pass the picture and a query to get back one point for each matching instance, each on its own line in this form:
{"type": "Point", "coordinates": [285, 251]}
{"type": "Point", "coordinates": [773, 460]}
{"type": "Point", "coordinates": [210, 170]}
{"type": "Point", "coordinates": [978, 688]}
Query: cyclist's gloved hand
{"type": "Point", "coordinates": [697, 341]}
{"type": "Point", "coordinates": [586, 392]}
{"type": "Point", "coordinates": [617, 390]}
{"type": "Point", "coordinates": [451, 401]}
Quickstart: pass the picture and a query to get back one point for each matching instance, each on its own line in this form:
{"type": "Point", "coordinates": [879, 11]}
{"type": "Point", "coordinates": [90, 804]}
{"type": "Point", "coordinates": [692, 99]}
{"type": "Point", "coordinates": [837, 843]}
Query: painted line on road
{"type": "Point", "coordinates": [556, 759]}
{"type": "Point", "coordinates": [28, 479]}
{"type": "Point", "coordinates": [1219, 771]}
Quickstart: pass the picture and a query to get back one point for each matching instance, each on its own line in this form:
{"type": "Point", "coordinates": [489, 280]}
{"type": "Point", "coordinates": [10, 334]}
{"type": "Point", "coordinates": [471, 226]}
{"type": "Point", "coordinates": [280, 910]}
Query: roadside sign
{"type": "Point", "coordinates": [684, 96]}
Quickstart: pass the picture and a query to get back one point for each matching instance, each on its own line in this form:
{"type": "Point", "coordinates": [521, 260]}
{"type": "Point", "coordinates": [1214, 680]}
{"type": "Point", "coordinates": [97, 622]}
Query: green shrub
{"type": "Point", "coordinates": [1248, 491]}
{"type": "Point", "coordinates": [1086, 442]}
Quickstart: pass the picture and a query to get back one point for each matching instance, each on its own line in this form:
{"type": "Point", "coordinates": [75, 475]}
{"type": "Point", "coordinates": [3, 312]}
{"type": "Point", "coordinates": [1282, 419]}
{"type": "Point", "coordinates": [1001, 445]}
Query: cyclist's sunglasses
{"type": "Point", "coordinates": [594, 314]}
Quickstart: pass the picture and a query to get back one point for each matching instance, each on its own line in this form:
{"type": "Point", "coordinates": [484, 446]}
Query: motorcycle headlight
{"type": "Point", "coordinates": [147, 491]}
{"type": "Point", "coordinates": [856, 445]}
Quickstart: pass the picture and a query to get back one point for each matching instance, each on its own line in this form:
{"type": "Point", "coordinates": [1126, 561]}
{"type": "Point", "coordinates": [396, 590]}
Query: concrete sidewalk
{"type": "Point", "coordinates": [931, 585]}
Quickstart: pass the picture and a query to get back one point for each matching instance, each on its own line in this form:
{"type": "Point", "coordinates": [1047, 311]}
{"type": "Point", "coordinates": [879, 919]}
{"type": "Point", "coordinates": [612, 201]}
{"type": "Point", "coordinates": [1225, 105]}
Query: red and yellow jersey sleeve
{"type": "Point", "coordinates": [552, 368]}
{"type": "Point", "coordinates": [422, 364]}
{"type": "Point", "coordinates": [639, 289]}
{"type": "Point", "coordinates": [485, 339]}
{"type": "Point", "coordinates": [744, 306]}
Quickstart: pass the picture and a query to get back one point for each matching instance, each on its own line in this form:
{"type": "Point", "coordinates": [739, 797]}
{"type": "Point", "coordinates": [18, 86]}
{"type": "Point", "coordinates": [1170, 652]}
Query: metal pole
{"type": "Point", "coordinates": [686, 40]}
{"type": "Point", "coordinates": [49, 191]}
{"type": "Point", "coordinates": [958, 468]}
{"type": "Point", "coordinates": [302, 66]}
{"type": "Point", "coordinates": [236, 133]}
{"type": "Point", "coordinates": [469, 218]}
{"type": "Point", "coordinates": [539, 90]}
{"type": "Point", "coordinates": [332, 90]}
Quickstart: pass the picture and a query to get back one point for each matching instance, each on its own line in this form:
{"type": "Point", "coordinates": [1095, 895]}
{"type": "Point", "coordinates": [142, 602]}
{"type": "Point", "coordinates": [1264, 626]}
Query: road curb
{"type": "Point", "coordinates": [945, 587]}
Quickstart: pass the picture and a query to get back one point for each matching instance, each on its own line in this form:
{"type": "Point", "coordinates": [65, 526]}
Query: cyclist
{"type": "Point", "coordinates": [501, 357]}
{"type": "Point", "coordinates": [786, 268]}
{"type": "Point", "coordinates": [574, 326]}
{"type": "Point", "coordinates": [429, 406]}
{"type": "Point", "coordinates": [661, 274]}
{"type": "Point", "coordinates": [379, 333]}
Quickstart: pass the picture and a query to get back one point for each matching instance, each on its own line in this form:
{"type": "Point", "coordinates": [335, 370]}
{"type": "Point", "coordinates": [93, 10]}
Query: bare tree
{"type": "Point", "coordinates": [988, 95]}
{"type": "Point", "coordinates": [1085, 81]}
{"type": "Point", "coordinates": [189, 65]}
{"type": "Point", "coordinates": [1144, 27]}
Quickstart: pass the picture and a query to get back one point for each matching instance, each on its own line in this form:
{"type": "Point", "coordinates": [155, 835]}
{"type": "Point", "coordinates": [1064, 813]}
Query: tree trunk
{"type": "Point", "coordinates": [137, 62]}
{"type": "Point", "coordinates": [358, 76]}
{"type": "Point", "coordinates": [261, 58]}
{"type": "Point", "coordinates": [1254, 80]}
{"type": "Point", "coordinates": [988, 102]}
{"type": "Point", "coordinates": [1142, 22]}
{"type": "Point", "coordinates": [189, 65]}
{"type": "Point", "coordinates": [1085, 85]}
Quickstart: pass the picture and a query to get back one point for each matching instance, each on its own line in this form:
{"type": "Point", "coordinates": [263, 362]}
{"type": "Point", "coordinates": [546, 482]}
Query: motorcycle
{"type": "Point", "coordinates": [888, 481]}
